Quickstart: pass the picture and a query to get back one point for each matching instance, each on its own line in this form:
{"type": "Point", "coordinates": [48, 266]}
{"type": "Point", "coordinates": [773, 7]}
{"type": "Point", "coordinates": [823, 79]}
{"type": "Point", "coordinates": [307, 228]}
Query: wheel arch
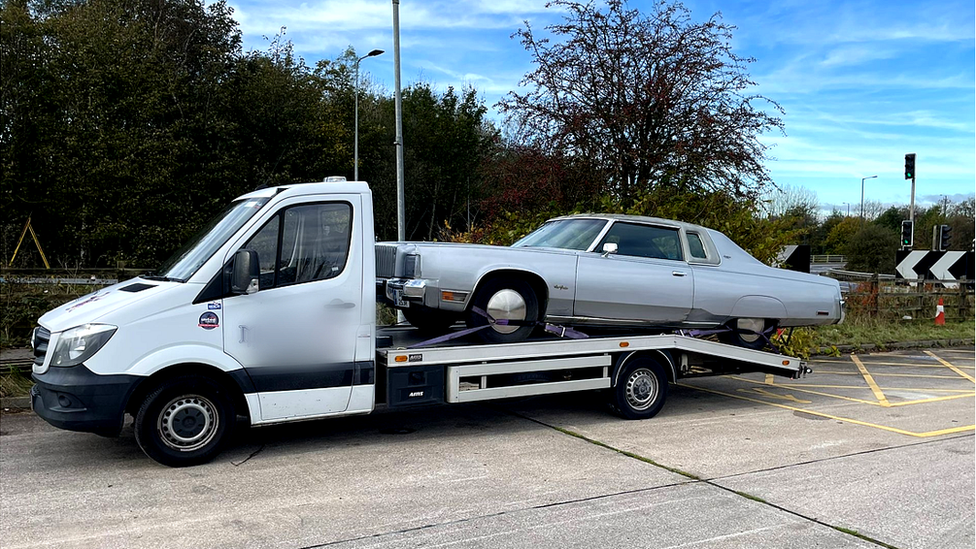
{"type": "Point", "coordinates": [533, 279]}
{"type": "Point", "coordinates": [233, 385]}
{"type": "Point", "coordinates": [659, 356]}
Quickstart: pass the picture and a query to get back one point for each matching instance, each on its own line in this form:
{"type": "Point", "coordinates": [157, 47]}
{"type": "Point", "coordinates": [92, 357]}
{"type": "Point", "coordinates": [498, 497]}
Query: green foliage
{"type": "Point", "coordinates": [841, 232]}
{"type": "Point", "coordinates": [872, 250]}
{"type": "Point", "coordinates": [797, 343]}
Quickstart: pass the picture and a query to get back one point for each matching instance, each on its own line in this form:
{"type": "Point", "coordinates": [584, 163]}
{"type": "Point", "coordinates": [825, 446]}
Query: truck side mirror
{"type": "Point", "coordinates": [609, 248]}
{"type": "Point", "coordinates": [246, 276]}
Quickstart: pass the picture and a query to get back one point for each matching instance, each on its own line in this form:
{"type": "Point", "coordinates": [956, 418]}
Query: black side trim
{"type": "Point", "coordinates": [366, 375]}
{"type": "Point", "coordinates": [77, 399]}
{"type": "Point", "coordinates": [296, 378]}
{"type": "Point", "coordinates": [137, 287]}
{"type": "Point", "coordinates": [243, 381]}
{"type": "Point", "coordinates": [214, 289]}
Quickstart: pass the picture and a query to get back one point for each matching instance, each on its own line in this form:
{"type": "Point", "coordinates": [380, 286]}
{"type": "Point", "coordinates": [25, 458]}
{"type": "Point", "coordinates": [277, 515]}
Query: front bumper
{"type": "Point", "coordinates": [77, 399]}
{"type": "Point", "coordinates": [404, 293]}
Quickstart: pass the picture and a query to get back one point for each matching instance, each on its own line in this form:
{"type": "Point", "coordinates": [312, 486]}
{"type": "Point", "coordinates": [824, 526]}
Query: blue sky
{"type": "Point", "coordinates": [862, 82]}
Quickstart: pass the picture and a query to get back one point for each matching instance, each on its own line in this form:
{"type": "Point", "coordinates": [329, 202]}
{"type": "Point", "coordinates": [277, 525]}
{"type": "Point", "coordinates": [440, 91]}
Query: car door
{"type": "Point", "coordinates": [296, 336]}
{"type": "Point", "coordinates": [645, 281]}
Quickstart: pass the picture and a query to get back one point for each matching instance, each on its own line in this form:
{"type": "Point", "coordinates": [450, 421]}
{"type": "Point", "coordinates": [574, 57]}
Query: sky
{"type": "Point", "coordinates": [862, 82]}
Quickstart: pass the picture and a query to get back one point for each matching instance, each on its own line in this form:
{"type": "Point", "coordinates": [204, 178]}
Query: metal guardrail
{"type": "Point", "coordinates": [828, 259]}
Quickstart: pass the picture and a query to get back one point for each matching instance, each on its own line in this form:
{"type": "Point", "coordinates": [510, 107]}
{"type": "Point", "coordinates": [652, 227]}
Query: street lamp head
{"type": "Point", "coordinates": [870, 177]}
{"type": "Point", "coordinates": [374, 53]}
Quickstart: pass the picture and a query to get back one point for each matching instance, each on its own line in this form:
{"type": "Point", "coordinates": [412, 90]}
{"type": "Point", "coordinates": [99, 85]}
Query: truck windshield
{"type": "Point", "coordinates": [568, 234]}
{"type": "Point", "coordinates": [182, 264]}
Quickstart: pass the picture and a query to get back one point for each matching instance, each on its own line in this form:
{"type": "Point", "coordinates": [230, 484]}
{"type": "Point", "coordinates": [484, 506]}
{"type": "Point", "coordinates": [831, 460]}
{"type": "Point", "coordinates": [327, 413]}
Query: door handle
{"type": "Point", "coordinates": [678, 273]}
{"type": "Point", "coordinates": [339, 304]}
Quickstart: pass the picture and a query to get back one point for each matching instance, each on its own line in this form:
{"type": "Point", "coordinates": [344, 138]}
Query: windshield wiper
{"type": "Point", "coordinates": [151, 276]}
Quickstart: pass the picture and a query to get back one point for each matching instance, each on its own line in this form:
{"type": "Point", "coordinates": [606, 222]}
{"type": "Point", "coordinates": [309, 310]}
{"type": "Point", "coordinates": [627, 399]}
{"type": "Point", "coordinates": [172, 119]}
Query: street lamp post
{"type": "Point", "coordinates": [863, 179]}
{"type": "Point", "coordinates": [848, 204]}
{"type": "Point", "coordinates": [355, 145]}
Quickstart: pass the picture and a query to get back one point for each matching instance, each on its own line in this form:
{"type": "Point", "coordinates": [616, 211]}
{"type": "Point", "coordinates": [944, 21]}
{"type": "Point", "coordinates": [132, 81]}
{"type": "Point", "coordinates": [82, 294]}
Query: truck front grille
{"type": "Point", "coordinates": [39, 341]}
{"type": "Point", "coordinates": [386, 260]}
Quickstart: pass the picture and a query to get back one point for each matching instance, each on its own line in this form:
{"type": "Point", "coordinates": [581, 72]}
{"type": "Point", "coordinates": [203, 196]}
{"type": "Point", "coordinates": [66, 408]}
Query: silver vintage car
{"type": "Point", "coordinates": [602, 271]}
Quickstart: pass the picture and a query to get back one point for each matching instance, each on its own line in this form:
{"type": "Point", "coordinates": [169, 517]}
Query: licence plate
{"type": "Point", "coordinates": [398, 299]}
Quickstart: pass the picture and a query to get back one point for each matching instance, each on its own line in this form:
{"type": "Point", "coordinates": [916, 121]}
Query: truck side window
{"type": "Point", "coordinates": [265, 243]}
{"type": "Point", "coordinates": [313, 244]}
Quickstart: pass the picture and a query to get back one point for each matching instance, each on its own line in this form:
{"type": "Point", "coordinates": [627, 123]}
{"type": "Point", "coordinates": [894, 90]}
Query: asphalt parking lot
{"type": "Point", "coordinates": [870, 450]}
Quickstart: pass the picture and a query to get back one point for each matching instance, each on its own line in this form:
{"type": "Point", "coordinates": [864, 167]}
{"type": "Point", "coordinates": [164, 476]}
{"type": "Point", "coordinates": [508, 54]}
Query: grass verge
{"type": "Point", "coordinates": [14, 384]}
{"type": "Point", "coordinates": [863, 331]}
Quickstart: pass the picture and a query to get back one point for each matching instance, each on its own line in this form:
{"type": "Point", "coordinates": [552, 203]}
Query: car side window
{"type": "Point", "coordinates": [696, 247]}
{"type": "Point", "coordinates": [644, 241]}
{"type": "Point", "coordinates": [303, 244]}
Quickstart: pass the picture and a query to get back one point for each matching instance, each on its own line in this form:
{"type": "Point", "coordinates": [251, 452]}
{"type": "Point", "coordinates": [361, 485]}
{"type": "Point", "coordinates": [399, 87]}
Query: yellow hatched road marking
{"type": "Point", "coordinates": [870, 381]}
{"type": "Point", "coordinates": [852, 399]}
{"type": "Point", "coordinates": [926, 376]}
{"type": "Point", "coordinates": [838, 418]}
{"type": "Point", "coordinates": [933, 399]}
{"type": "Point", "coordinates": [764, 392]}
{"type": "Point", "coordinates": [951, 367]}
{"type": "Point", "coordinates": [915, 389]}
{"type": "Point", "coordinates": [769, 379]}
{"type": "Point", "coordinates": [891, 364]}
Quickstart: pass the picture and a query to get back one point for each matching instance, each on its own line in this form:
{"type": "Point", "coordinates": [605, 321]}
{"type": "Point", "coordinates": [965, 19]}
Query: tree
{"type": "Point", "coordinates": [872, 250]}
{"type": "Point", "coordinates": [651, 100]}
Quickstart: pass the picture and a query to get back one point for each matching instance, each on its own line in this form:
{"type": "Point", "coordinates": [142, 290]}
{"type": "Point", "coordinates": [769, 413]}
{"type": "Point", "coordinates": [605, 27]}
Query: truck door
{"type": "Point", "coordinates": [646, 281]}
{"type": "Point", "coordinates": [296, 336]}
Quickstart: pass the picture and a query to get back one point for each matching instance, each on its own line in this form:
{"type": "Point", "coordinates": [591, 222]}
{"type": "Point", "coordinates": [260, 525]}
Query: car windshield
{"type": "Point", "coordinates": [182, 264]}
{"type": "Point", "coordinates": [568, 234]}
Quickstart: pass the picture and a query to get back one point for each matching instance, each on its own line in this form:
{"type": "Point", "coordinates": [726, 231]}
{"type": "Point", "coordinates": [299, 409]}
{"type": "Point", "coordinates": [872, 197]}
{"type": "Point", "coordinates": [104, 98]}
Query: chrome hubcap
{"type": "Point", "coordinates": [506, 304]}
{"type": "Point", "coordinates": [642, 389]}
{"type": "Point", "coordinates": [187, 423]}
{"type": "Point", "coordinates": [754, 324]}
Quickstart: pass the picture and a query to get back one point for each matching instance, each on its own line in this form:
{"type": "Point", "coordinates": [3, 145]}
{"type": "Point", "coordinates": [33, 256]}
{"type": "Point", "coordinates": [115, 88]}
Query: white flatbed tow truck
{"type": "Point", "coordinates": [270, 315]}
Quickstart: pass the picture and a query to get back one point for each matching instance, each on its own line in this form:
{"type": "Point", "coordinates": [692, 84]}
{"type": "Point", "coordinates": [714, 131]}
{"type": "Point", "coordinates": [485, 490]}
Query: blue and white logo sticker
{"type": "Point", "coordinates": [214, 305]}
{"type": "Point", "coordinates": [209, 321]}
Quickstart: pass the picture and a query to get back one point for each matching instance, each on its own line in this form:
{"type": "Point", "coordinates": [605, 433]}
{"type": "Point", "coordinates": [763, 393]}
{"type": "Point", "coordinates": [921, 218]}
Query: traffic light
{"type": "Point", "coordinates": [907, 234]}
{"type": "Point", "coordinates": [910, 166]}
{"type": "Point", "coordinates": [945, 237]}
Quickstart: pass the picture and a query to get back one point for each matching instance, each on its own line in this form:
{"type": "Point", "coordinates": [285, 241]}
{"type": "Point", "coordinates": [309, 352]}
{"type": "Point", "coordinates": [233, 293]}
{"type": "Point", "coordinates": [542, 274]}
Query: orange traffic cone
{"type": "Point", "coordinates": [939, 314]}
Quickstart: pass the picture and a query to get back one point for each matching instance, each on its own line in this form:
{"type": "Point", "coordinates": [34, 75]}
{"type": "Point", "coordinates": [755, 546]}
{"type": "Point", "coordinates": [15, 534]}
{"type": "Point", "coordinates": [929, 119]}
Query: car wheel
{"type": "Point", "coordinates": [430, 321]}
{"type": "Point", "coordinates": [749, 336]}
{"type": "Point", "coordinates": [642, 388]}
{"type": "Point", "coordinates": [185, 421]}
{"type": "Point", "coordinates": [509, 299]}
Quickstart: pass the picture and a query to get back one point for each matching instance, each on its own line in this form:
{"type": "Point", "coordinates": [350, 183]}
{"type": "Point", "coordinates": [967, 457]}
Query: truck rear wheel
{"type": "Point", "coordinates": [185, 421]}
{"type": "Point", "coordinates": [641, 390]}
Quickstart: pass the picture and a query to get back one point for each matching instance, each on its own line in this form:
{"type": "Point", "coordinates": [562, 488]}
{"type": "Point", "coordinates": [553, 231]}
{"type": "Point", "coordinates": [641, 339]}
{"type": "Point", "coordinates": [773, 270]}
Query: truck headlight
{"type": "Point", "coordinates": [81, 343]}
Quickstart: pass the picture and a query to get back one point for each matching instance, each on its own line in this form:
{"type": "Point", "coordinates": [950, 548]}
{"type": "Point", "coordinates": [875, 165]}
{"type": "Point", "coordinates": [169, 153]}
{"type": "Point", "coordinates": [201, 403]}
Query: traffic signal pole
{"type": "Point", "coordinates": [910, 174]}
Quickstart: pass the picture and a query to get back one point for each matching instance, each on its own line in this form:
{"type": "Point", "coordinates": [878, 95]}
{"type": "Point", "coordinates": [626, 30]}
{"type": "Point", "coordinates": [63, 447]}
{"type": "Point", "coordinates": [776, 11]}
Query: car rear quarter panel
{"type": "Point", "coordinates": [743, 287]}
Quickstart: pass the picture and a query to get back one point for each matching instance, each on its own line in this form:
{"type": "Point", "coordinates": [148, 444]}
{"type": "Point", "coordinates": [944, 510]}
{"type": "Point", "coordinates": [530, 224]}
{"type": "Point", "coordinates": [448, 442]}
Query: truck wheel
{"type": "Point", "coordinates": [510, 299]}
{"type": "Point", "coordinates": [641, 390]}
{"type": "Point", "coordinates": [430, 321]}
{"type": "Point", "coordinates": [185, 421]}
{"type": "Point", "coordinates": [747, 339]}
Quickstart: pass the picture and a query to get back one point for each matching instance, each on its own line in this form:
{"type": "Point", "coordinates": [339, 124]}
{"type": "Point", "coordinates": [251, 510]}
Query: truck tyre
{"type": "Point", "coordinates": [429, 321]}
{"type": "Point", "coordinates": [185, 421]}
{"type": "Point", "coordinates": [747, 339]}
{"type": "Point", "coordinates": [510, 299]}
{"type": "Point", "coordinates": [642, 388]}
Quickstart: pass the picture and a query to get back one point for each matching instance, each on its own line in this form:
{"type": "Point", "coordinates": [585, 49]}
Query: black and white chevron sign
{"type": "Point", "coordinates": [944, 266]}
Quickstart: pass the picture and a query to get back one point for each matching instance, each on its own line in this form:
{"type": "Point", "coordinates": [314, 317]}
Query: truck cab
{"type": "Point", "coordinates": [266, 313]}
